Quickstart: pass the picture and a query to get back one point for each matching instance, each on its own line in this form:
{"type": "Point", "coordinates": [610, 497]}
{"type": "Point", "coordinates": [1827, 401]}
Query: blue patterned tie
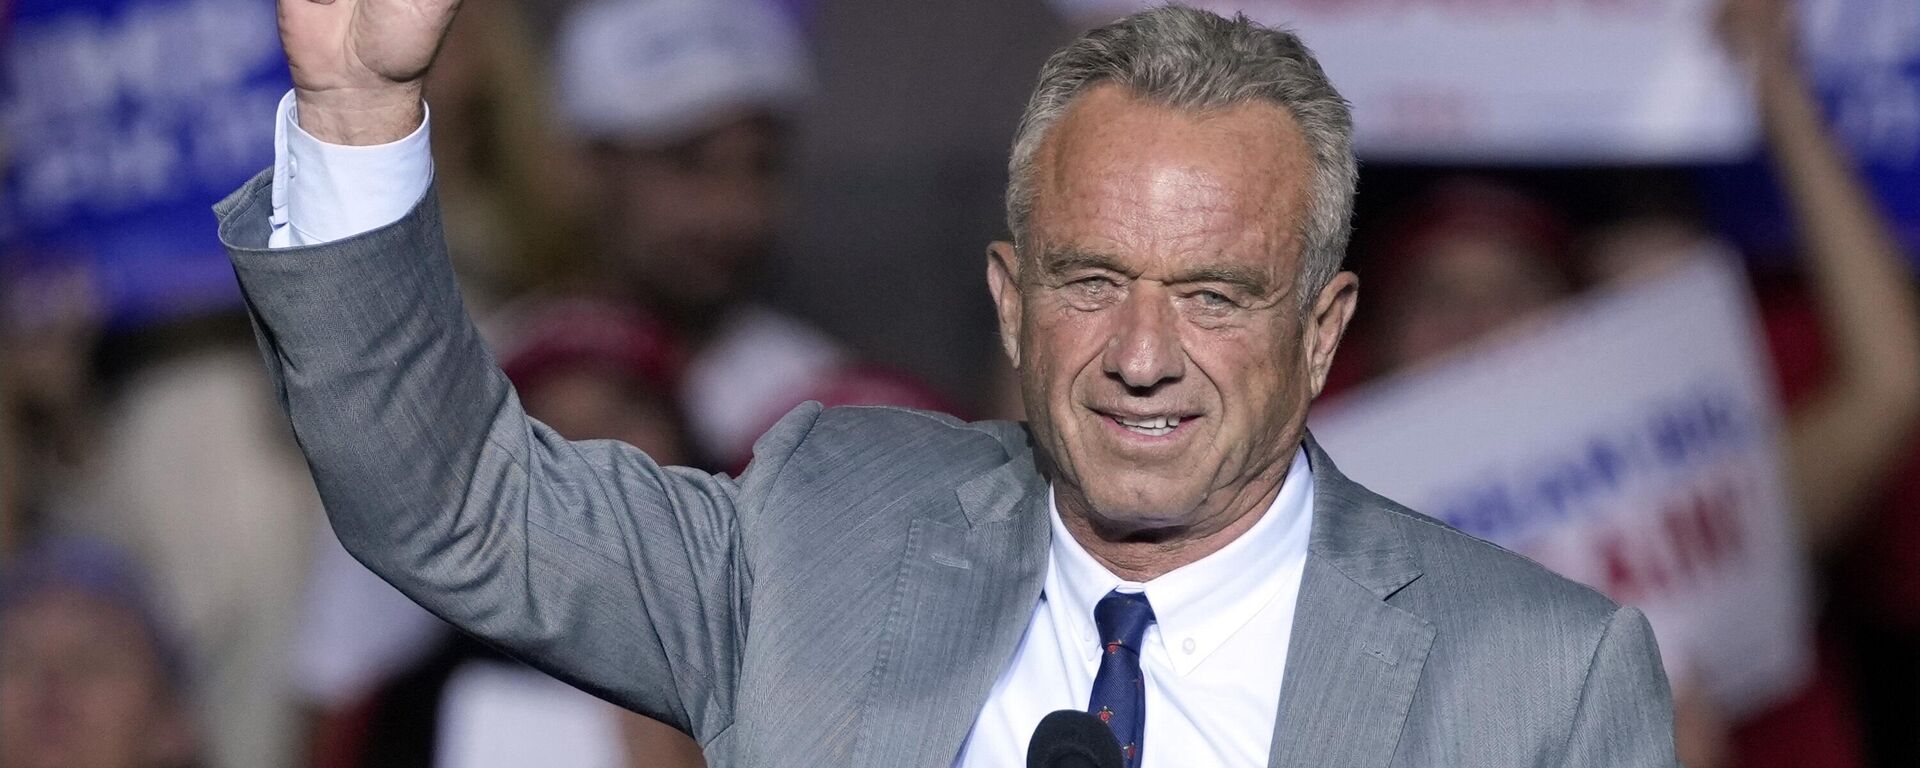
{"type": "Point", "coordinates": [1119, 690]}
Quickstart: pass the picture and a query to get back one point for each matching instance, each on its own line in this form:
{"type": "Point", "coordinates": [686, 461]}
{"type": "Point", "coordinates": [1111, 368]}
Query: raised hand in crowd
{"type": "Point", "coordinates": [1841, 441]}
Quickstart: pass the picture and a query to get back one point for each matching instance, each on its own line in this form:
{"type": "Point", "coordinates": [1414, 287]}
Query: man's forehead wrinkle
{"type": "Point", "coordinates": [1178, 208]}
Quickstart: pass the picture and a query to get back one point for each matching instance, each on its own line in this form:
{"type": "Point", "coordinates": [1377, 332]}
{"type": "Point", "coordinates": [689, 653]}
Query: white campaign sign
{"type": "Point", "coordinates": [1560, 81]}
{"type": "Point", "coordinates": [1630, 442]}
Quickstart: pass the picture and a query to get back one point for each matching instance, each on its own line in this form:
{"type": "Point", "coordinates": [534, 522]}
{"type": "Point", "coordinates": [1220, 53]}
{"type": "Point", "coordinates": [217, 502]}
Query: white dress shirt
{"type": "Point", "coordinates": [1214, 658]}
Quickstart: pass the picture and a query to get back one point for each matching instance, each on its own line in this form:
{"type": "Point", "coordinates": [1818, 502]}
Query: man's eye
{"type": "Point", "coordinates": [1093, 285]}
{"type": "Point", "coordinates": [1213, 299]}
{"type": "Point", "coordinates": [1091, 292]}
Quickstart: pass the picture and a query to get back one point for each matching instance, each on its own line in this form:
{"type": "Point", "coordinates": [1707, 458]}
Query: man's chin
{"type": "Point", "coordinates": [1134, 517]}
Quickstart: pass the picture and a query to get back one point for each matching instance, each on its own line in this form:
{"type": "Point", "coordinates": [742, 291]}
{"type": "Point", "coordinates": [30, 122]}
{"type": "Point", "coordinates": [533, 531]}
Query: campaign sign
{"type": "Point", "coordinates": [1631, 442]}
{"type": "Point", "coordinates": [125, 120]}
{"type": "Point", "coordinates": [1555, 81]}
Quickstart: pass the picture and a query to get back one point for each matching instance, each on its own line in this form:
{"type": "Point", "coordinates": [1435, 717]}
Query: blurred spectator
{"type": "Point", "coordinates": [503, 179]}
{"type": "Point", "coordinates": [49, 322]}
{"type": "Point", "coordinates": [684, 108]}
{"type": "Point", "coordinates": [898, 175]}
{"type": "Point", "coordinates": [396, 686]}
{"type": "Point", "coordinates": [595, 371]}
{"type": "Point", "coordinates": [89, 677]}
{"type": "Point", "coordinates": [1471, 258]}
{"type": "Point", "coordinates": [194, 472]}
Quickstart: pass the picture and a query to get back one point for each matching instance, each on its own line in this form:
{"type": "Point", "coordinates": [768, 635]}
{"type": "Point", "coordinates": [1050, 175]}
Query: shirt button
{"type": "Point", "coordinates": [1187, 645]}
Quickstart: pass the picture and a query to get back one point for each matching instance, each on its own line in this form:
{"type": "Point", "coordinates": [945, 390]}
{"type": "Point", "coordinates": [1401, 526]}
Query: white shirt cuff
{"type": "Point", "coordinates": [325, 192]}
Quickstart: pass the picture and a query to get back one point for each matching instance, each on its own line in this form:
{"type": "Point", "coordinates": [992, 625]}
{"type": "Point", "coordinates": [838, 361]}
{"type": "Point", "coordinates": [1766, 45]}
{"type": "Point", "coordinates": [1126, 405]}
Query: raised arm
{"type": "Point", "coordinates": [1842, 439]}
{"type": "Point", "coordinates": [586, 559]}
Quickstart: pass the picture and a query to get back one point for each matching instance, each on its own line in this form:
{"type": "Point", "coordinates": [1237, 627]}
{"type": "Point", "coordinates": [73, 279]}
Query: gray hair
{"type": "Point", "coordinates": [1194, 60]}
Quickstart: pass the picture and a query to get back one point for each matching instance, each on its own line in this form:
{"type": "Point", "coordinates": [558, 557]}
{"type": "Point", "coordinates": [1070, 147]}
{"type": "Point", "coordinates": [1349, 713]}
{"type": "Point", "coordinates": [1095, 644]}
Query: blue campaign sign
{"type": "Point", "coordinates": [125, 120]}
{"type": "Point", "coordinates": [1864, 56]}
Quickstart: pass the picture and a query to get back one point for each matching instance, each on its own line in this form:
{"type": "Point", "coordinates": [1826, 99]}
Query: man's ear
{"type": "Point", "coordinates": [1003, 279]}
{"type": "Point", "coordinates": [1327, 323]}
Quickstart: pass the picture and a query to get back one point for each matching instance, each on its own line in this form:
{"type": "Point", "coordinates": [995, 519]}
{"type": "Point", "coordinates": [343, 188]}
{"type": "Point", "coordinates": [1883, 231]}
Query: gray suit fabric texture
{"type": "Point", "coordinates": [853, 595]}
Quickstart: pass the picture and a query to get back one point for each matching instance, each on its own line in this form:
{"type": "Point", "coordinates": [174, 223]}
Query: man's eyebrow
{"type": "Point", "coordinates": [1070, 259]}
{"type": "Point", "coordinates": [1251, 280]}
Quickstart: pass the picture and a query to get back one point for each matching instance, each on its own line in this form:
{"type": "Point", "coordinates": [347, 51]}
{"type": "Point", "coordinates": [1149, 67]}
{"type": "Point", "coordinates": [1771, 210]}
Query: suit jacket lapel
{"type": "Point", "coordinates": [1355, 660]}
{"type": "Point", "coordinates": [968, 585]}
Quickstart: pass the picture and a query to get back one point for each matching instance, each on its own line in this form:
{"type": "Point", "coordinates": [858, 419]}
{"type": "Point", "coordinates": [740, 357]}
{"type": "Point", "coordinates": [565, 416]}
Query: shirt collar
{"type": "Point", "coordinates": [1205, 601]}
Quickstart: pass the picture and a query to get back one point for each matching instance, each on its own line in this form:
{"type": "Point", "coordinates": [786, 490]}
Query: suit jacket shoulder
{"type": "Point", "coordinates": [854, 455]}
{"type": "Point", "coordinates": [1470, 579]}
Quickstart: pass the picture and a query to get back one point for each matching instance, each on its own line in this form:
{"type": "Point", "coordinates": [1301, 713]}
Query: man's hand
{"type": "Point", "coordinates": [358, 64]}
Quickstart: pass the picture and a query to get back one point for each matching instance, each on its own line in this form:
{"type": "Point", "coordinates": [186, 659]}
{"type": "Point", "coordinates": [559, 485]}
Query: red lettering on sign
{"type": "Point", "coordinates": [1693, 535]}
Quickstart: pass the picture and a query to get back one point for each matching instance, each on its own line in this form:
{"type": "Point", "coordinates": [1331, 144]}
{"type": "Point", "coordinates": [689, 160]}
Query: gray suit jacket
{"type": "Point", "coordinates": [850, 598]}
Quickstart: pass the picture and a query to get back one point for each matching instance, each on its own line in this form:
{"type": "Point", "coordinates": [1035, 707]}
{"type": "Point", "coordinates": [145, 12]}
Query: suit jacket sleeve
{"type": "Point", "coordinates": [1625, 715]}
{"type": "Point", "coordinates": [586, 559]}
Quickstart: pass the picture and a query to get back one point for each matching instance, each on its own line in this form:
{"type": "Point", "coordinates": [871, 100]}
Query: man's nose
{"type": "Point", "coordinates": [1145, 347]}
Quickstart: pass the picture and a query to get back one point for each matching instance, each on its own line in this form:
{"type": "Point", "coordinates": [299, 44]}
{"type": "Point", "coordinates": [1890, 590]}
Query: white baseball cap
{"type": "Point", "coordinates": [662, 70]}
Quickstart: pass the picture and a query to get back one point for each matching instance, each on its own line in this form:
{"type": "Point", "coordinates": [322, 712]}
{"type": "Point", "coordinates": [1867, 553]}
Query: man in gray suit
{"type": "Point", "coordinates": [1161, 544]}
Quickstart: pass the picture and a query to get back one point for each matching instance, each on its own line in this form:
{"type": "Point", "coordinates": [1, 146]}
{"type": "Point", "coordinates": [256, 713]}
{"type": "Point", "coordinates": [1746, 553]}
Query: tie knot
{"type": "Point", "coordinates": [1122, 618]}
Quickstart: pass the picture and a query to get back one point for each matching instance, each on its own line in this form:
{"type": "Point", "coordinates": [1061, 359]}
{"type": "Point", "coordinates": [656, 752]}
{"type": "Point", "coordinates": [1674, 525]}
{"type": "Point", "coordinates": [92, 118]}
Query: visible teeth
{"type": "Point", "coordinates": [1153, 425]}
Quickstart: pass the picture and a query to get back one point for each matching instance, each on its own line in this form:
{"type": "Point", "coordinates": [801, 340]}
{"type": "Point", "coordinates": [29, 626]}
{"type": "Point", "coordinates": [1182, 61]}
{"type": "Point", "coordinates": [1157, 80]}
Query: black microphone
{"type": "Point", "coordinates": [1070, 738]}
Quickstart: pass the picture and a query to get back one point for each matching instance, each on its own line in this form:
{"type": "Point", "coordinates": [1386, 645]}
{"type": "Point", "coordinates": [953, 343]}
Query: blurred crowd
{"type": "Point", "coordinates": [677, 219]}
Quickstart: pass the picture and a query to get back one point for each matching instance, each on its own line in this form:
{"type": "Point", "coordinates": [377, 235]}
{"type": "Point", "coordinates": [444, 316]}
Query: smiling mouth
{"type": "Point", "coordinates": [1164, 425]}
{"type": "Point", "coordinates": [1152, 426]}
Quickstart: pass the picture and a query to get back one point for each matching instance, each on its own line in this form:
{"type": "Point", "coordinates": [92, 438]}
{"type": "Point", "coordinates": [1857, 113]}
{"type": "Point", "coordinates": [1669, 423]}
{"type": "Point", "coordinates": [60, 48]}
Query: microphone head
{"type": "Point", "coordinates": [1070, 738]}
